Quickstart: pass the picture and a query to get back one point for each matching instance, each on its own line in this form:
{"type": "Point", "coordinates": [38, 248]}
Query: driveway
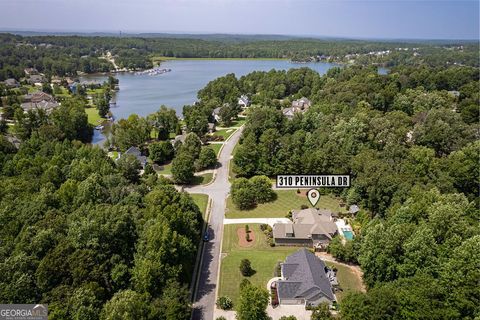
{"type": "Point", "coordinates": [269, 221]}
{"type": "Point", "coordinates": [204, 297]}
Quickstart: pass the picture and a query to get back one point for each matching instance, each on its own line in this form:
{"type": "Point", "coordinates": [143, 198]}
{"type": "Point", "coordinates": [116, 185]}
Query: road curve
{"type": "Point", "coordinates": [204, 297]}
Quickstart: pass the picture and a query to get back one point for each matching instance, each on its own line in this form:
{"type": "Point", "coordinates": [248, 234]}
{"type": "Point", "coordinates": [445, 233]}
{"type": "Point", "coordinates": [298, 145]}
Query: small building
{"type": "Point", "coordinates": [243, 101]}
{"type": "Point", "coordinates": [305, 280]}
{"type": "Point", "coordinates": [311, 227]}
{"type": "Point", "coordinates": [138, 154]}
{"type": "Point", "coordinates": [11, 83]}
{"type": "Point", "coordinates": [353, 209]}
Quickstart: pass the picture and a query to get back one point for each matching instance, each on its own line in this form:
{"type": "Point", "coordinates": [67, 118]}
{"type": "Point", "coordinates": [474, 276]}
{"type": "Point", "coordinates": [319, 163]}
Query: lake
{"type": "Point", "coordinates": [144, 94]}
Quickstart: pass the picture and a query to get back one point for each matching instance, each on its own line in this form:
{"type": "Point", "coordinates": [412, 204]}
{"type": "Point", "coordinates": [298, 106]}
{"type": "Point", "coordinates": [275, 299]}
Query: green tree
{"type": "Point", "coordinates": [252, 303]}
{"type": "Point", "coordinates": [160, 152]}
{"type": "Point", "coordinates": [126, 305]}
{"type": "Point", "coordinates": [246, 268]}
{"type": "Point", "coordinates": [206, 159]}
{"type": "Point", "coordinates": [130, 167]}
{"type": "Point", "coordinates": [322, 312]}
{"type": "Point", "coordinates": [183, 168]}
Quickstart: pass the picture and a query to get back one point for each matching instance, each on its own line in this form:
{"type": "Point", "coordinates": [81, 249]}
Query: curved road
{"type": "Point", "coordinates": [204, 297]}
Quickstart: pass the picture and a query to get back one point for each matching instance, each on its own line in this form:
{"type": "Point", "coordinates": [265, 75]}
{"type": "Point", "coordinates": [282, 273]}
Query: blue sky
{"type": "Point", "coordinates": [357, 19]}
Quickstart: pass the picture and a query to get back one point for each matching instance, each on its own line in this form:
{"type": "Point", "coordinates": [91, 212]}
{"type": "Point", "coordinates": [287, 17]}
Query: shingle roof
{"type": "Point", "coordinates": [304, 278]}
{"type": "Point", "coordinates": [307, 222]}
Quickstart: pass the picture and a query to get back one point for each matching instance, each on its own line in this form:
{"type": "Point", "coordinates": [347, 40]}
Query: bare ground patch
{"type": "Point", "coordinates": [242, 240]}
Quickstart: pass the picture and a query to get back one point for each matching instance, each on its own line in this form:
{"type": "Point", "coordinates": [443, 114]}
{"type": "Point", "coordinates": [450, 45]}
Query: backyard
{"type": "Point", "coordinates": [286, 201]}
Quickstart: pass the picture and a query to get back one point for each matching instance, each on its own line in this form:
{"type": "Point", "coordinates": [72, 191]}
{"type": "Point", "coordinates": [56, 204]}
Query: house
{"type": "Point", "coordinates": [211, 127]}
{"type": "Point", "coordinates": [138, 154]}
{"type": "Point", "coordinates": [36, 79]}
{"type": "Point", "coordinates": [305, 280]}
{"type": "Point", "coordinates": [11, 83]}
{"type": "Point", "coordinates": [30, 71]}
{"type": "Point", "coordinates": [243, 101]}
{"type": "Point", "coordinates": [298, 106]}
{"type": "Point", "coordinates": [216, 114]}
{"type": "Point", "coordinates": [311, 227]}
{"type": "Point", "coordinates": [38, 100]}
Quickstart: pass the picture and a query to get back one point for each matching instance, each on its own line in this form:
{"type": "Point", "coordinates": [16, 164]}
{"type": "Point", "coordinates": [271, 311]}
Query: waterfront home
{"type": "Point", "coordinates": [311, 227]}
{"type": "Point", "coordinates": [38, 100]}
{"type": "Point", "coordinates": [298, 106]}
{"type": "Point", "coordinates": [305, 280]}
{"type": "Point", "coordinates": [38, 97]}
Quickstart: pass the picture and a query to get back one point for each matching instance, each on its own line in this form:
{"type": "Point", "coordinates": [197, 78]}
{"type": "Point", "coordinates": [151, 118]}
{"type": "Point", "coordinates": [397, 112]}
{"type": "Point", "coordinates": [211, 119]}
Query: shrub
{"type": "Point", "coordinates": [206, 159]}
{"type": "Point", "coordinates": [221, 318]}
{"type": "Point", "coordinates": [270, 242]}
{"type": "Point", "coordinates": [263, 226]}
{"type": "Point", "coordinates": [244, 283]}
{"type": "Point", "coordinates": [246, 268]}
{"type": "Point", "coordinates": [247, 230]}
{"type": "Point", "coordinates": [247, 237]}
{"type": "Point", "coordinates": [224, 303]}
{"type": "Point", "coordinates": [288, 318]}
{"type": "Point", "coordinates": [298, 190]}
{"type": "Point", "coordinates": [303, 206]}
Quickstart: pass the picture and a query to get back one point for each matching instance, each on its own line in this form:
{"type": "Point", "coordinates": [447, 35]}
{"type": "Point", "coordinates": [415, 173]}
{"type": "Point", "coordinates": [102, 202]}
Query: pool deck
{"type": "Point", "coordinates": [341, 226]}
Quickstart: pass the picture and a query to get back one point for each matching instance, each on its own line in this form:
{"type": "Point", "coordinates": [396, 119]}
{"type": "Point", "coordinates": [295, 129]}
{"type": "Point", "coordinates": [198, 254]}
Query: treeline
{"type": "Point", "coordinates": [412, 150]}
{"type": "Point", "coordinates": [91, 237]}
{"type": "Point", "coordinates": [65, 55]}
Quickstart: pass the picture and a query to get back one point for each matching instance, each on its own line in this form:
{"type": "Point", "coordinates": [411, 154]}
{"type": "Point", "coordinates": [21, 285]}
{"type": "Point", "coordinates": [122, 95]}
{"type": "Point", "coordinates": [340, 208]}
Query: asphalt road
{"type": "Point", "coordinates": [204, 297]}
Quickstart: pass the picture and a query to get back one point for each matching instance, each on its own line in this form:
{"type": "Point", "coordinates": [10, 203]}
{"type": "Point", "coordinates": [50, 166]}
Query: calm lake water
{"type": "Point", "coordinates": [143, 94]}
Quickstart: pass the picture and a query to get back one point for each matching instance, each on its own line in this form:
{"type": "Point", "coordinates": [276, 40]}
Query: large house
{"type": "Point", "coordinates": [11, 83]}
{"type": "Point", "coordinates": [305, 280]}
{"type": "Point", "coordinates": [310, 228]}
{"type": "Point", "coordinates": [38, 100]}
{"type": "Point", "coordinates": [298, 106]}
{"type": "Point", "coordinates": [36, 79]}
{"type": "Point", "coordinates": [138, 154]}
{"type": "Point", "coordinates": [243, 101]}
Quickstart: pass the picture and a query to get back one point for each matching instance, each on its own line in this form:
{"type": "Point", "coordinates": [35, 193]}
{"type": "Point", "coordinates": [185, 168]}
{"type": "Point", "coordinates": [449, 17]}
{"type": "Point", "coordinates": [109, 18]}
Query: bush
{"type": "Point", "coordinates": [224, 303]}
{"type": "Point", "coordinates": [247, 237]}
{"type": "Point", "coordinates": [182, 168]}
{"type": "Point", "coordinates": [247, 230]}
{"type": "Point", "coordinates": [221, 318]}
{"type": "Point", "coordinates": [303, 206]}
{"type": "Point", "coordinates": [263, 226]}
{"type": "Point", "coordinates": [288, 318]}
{"type": "Point", "coordinates": [160, 152]}
{"type": "Point", "coordinates": [246, 268]}
{"type": "Point", "coordinates": [270, 242]}
{"type": "Point", "coordinates": [244, 283]}
{"type": "Point", "coordinates": [206, 159]}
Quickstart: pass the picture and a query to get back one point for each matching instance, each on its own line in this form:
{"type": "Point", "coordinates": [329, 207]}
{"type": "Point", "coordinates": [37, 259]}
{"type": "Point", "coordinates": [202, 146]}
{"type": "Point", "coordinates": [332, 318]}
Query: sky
{"type": "Point", "coordinates": [386, 19]}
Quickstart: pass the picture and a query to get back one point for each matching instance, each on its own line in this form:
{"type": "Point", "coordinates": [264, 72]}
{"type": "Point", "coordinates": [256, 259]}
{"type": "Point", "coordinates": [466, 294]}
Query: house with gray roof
{"type": "Point", "coordinates": [305, 279]}
{"type": "Point", "coordinates": [11, 83]}
{"type": "Point", "coordinates": [311, 227]}
{"type": "Point", "coordinates": [298, 106]}
{"type": "Point", "coordinates": [138, 154]}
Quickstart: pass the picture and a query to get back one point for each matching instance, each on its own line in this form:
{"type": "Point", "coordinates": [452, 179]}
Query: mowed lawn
{"type": "Point", "coordinates": [165, 169]}
{"type": "Point", "coordinates": [225, 133]}
{"type": "Point", "coordinates": [202, 179]}
{"type": "Point", "coordinates": [263, 258]}
{"type": "Point", "coordinates": [347, 279]}
{"type": "Point", "coordinates": [216, 147]}
{"type": "Point", "coordinates": [93, 116]}
{"type": "Point", "coordinates": [201, 200]}
{"type": "Point", "coordinates": [286, 201]}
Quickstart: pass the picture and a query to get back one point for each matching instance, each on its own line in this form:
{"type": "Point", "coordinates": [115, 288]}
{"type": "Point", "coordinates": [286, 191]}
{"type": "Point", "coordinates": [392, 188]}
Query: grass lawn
{"type": "Point", "coordinates": [263, 259]}
{"type": "Point", "coordinates": [201, 200]}
{"type": "Point", "coordinates": [347, 280]}
{"type": "Point", "coordinates": [216, 147]}
{"type": "Point", "coordinates": [239, 122]}
{"type": "Point", "coordinates": [166, 169]}
{"type": "Point", "coordinates": [95, 91]}
{"type": "Point", "coordinates": [93, 116]}
{"type": "Point", "coordinates": [225, 133]}
{"type": "Point", "coordinates": [203, 179]}
{"type": "Point", "coordinates": [286, 201]}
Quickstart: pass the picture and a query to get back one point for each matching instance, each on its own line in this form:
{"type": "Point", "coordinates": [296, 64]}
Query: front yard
{"type": "Point", "coordinates": [286, 201]}
{"type": "Point", "coordinates": [263, 259]}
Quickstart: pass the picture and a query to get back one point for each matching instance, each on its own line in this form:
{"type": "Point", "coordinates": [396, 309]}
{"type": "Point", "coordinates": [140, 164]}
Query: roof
{"type": "Point", "coordinates": [216, 111]}
{"type": "Point", "coordinates": [45, 105]}
{"type": "Point", "coordinates": [306, 223]}
{"type": "Point", "coordinates": [138, 154]}
{"type": "Point", "coordinates": [38, 97]}
{"type": "Point", "coordinates": [304, 277]}
{"type": "Point", "coordinates": [353, 208]}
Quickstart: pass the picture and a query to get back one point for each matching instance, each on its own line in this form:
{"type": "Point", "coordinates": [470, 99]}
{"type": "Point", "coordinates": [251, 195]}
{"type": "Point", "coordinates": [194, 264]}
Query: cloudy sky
{"type": "Point", "coordinates": [357, 18]}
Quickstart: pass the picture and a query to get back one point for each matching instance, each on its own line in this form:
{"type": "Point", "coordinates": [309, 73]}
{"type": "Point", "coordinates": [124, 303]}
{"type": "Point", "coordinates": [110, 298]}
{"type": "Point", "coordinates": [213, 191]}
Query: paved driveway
{"type": "Point", "coordinates": [269, 221]}
{"type": "Point", "coordinates": [204, 297]}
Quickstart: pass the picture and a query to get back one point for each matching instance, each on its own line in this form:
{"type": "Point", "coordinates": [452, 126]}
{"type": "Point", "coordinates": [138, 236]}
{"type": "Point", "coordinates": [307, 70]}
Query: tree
{"type": "Point", "coordinates": [160, 152]}
{"type": "Point", "coordinates": [126, 305]}
{"type": "Point", "coordinates": [262, 188]}
{"type": "Point", "coordinates": [246, 268]}
{"type": "Point", "coordinates": [321, 312]}
{"type": "Point", "coordinates": [192, 145]}
{"type": "Point", "coordinates": [183, 168]}
{"type": "Point", "coordinates": [243, 198]}
{"type": "Point", "coordinates": [133, 131]}
{"type": "Point", "coordinates": [130, 167]}
{"type": "Point", "coordinates": [196, 121]}
{"type": "Point", "coordinates": [165, 121]}
{"type": "Point", "coordinates": [227, 113]}
{"type": "Point", "coordinates": [174, 303]}
{"type": "Point", "coordinates": [224, 303]}
{"type": "Point", "coordinates": [252, 303]}
{"type": "Point", "coordinates": [206, 159]}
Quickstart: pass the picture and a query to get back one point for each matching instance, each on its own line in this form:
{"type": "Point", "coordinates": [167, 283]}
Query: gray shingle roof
{"type": "Point", "coordinates": [304, 278]}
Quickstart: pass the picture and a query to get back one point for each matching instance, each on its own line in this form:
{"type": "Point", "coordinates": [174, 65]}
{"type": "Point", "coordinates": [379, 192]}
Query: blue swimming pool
{"type": "Point", "coordinates": [348, 234]}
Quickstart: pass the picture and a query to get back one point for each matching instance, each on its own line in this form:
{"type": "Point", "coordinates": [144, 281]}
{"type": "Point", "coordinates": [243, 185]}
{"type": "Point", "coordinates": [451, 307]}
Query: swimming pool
{"type": "Point", "coordinates": [347, 234]}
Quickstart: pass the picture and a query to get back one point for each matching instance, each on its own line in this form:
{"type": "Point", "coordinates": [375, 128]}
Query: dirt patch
{"type": "Point", "coordinates": [242, 241]}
